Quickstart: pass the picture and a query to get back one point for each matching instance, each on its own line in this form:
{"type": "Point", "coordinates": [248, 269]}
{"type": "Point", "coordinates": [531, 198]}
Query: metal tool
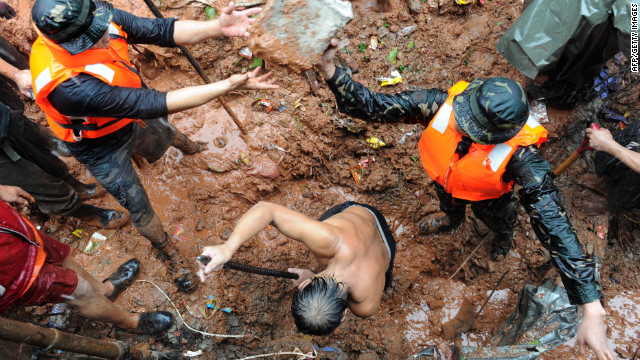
{"type": "Point", "coordinates": [251, 269]}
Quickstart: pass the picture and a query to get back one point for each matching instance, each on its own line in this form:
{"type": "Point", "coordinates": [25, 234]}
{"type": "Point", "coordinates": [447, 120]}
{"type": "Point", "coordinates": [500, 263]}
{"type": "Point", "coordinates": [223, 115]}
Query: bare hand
{"type": "Point", "coordinates": [601, 140]}
{"type": "Point", "coordinates": [325, 65]}
{"type": "Point", "coordinates": [237, 23]}
{"type": "Point", "coordinates": [591, 332]}
{"type": "Point", "coordinates": [23, 80]}
{"type": "Point", "coordinates": [6, 11]}
{"type": "Point", "coordinates": [219, 255]}
{"type": "Point", "coordinates": [14, 194]}
{"type": "Point", "coordinates": [251, 80]}
{"type": "Point", "coordinates": [303, 274]}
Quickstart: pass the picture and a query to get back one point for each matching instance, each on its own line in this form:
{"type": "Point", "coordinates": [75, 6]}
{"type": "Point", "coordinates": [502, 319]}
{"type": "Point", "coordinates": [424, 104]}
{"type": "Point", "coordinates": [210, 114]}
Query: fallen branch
{"type": "Point", "coordinates": [470, 255]}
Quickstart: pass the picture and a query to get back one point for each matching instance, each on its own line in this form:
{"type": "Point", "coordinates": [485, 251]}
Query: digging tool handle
{"type": "Point", "coordinates": [576, 154]}
{"type": "Point", "coordinates": [154, 9]}
{"type": "Point", "coordinates": [251, 269]}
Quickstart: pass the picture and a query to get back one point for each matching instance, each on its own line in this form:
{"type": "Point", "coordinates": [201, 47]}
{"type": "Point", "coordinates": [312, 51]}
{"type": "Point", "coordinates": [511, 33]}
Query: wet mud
{"type": "Point", "coordinates": [299, 155]}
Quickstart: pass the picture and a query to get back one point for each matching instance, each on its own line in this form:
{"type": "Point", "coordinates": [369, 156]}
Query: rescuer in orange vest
{"type": "Point", "coordinates": [479, 140]}
{"type": "Point", "coordinates": [96, 101]}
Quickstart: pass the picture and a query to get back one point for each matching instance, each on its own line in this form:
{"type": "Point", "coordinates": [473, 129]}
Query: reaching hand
{"type": "Point", "coordinates": [6, 11]}
{"type": "Point", "coordinates": [251, 80]}
{"type": "Point", "coordinates": [325, 65]}
{"type": "Point", "coordinates": [303, 274]}
{"type": "Point", "coordinates": [237, 23]}
{"type": "Point", "coordinates": [219, 255]}
{"type": "Point", "coordinates": [591, 332]}
{"type": "Point", "coordinates": [23, 80]}
{"type": "Point", "coordinates": [14, 194]}
{"type": "Point", "coordinates": [601, 140]}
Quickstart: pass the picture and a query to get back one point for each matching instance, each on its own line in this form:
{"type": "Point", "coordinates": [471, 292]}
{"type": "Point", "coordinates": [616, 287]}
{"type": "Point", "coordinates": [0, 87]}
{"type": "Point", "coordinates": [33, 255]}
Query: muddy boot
{"type": "Point", "coordinates": [84, 191]}
{"type": "Point", "coordinates": [104, 218]}
{"type": "Point", "coordinates": [438, 222]}
{"type": "Point", "coordinates": [182, 276]}
{"type": "Point", "coordinates": [188, 146]}
{"type": "Point", "coordinates": [501, 245]}
{"type": "Point", "coordinates": [59, 147]}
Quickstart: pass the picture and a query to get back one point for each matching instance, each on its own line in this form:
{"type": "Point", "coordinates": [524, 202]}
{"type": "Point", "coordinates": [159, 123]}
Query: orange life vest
{"type": "Point", "coordinates": [51, 65]}
{"type": "Point", "coordinates": [478, 175]}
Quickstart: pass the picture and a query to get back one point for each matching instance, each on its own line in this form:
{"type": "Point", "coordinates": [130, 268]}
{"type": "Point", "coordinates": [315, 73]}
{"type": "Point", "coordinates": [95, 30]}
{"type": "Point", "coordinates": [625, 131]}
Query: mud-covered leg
{"type": "Point", "coordinates": [500, 216]}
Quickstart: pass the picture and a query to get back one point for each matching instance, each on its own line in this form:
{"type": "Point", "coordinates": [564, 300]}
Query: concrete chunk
{"type": "Point", "coordinates": [295, 33]}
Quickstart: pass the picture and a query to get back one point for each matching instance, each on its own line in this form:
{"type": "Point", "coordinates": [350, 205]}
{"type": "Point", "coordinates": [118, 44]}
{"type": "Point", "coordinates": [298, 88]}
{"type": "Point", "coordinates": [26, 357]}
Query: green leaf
{"type": "Point", "coordinates": [392, 55]}
{"type": "Point", "coordinates": [415, 160]}
{"type": "Point", "coordinates": [362, 47]}
{"type": "Point", "coordinates": [410, 45]}
{"type": "Point", "coordinates": [211, 12]}
{"type": "Point", "coordinates": [534, 342]}
{"type": "Point", "coordinates": [450, 82]}
{"type": "Point", "coordinates": [499, 23]}
{"type": "Point", "coordinates": [386, 25]}
{"type": "Point", "coordinates": [256, 62]}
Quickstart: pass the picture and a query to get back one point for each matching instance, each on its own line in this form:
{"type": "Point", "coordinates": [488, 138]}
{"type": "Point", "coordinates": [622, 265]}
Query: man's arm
{"type": "Point", "coordinates": [22, 78]}
{"type": "Point", "coordinates": [551, 224]}
{"type": "Point", "coordinates": [356, 100]}
{"type": "Point", "coordinates": [230, 23]}
{"type": "Point", "coordinates": [14, 194]}
{"type": "Point", "coordinates": [602, 140]}
{"type": "Point", "coordinates": [319, 237]}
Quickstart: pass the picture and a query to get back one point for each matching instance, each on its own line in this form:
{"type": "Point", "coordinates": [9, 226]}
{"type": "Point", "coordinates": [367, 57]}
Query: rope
{"type": "Point", "coordinates": [305, 356]}
{"type": "Point", "coordinates": [185, 324]}
{"type": "Point", "coordinates": [55, 340]}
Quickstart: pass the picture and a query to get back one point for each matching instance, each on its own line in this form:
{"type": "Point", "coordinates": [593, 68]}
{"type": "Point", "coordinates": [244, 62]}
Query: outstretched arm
{"type": "Point", "coordinates": [22, 78]}
{"type": "Point", "coordinates": [230, 23]}
{"type": "Point", "coordinates": [602, 140]}
{"type": "Point", "coordinates": [319, 237]}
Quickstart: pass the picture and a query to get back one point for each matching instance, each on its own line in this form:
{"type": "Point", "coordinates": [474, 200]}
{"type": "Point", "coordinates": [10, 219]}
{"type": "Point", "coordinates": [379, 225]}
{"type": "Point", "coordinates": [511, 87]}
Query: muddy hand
{"type": "Point", "coordinates": [252, 80]}
{"type": "Point", "coordinates": [592, 333]}
{"type": "Point", "coordinates": [325, 65]}
{"type": "Point", "coordinates": [303, 274]}
{"type": "Point", "coordinates": [216, 255]}
{"type": "Point", "coordinates": [14, 194]}
{"type": "Point", "coordinates": [23, 81]}
{"type": "Point", "coordinates": [237, 23]}
{"type": "Point", "coordinates": [601, 140]}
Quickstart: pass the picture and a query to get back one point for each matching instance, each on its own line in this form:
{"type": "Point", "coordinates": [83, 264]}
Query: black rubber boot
{"type": "Point", "coordinates": [123, 277]}
{"type": "Point", "coordinates": [84, 191]}
{"type": "Point", "coordinates": [153, 322]}
{"type": "Point", "coordinates": [104, 218]}
{"type": "Point", "coordinates": [501, 245]}
{"type": "Point", "coordinates": [438, 222]}
{"type": "Point", "coordinates": [182, 276]}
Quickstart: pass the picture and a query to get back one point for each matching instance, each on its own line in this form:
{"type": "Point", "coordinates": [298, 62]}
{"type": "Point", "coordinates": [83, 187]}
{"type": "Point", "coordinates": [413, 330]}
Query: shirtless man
{"type": "Point", "coordinates": [352, 241]}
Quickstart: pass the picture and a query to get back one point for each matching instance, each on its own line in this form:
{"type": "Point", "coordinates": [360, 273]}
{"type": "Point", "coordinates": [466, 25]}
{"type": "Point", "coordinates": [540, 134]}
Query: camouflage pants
{"type": "Point", "coordinates": [498, 214]}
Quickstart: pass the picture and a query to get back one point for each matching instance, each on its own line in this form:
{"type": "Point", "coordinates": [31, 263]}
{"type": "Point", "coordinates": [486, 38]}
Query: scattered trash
{"type": "Point", "coordinates": [179, 233]}
{"type": "Point", "coordinates": [407, 30]}
{"type": "Point", "coordinates": [227, 310]}
{"type": "Point", "coordinates": [393, 55]}
{"type": "Point", "coordinates": [246, 53]}
{"type": "Point", "coordinates": [405, 136]}
{"type": "Point", "coordinates": [282, 106]}
{"type": "Point", "coordinates": [94, 243]}
{"type": "Point", "coordinates": [298, 105]}
{"type": "Point", "coordinates": [79, 232]}
{"type": "Point", "coordinates": [193, 353]}
{"type": "Point", "coordinates": [244, 157]}
{"type": "Point", "coordinates": [373, 43]}
{"type": "Point", "coordinates": [538, 110]}
{"type": "Point", "coordinates": [359, 171]}
{"type": "Point", "coordinates": [275, 147]}
{"type": "Point", "coordinates": [211, 304]}
{"type": "Point", "coordinates": [343, 43]}
{"type": "Point", "coordinates": [55, 320]}
{"type": "Point", "coordinates": [613, 116]}
{"type": "Point", "coordinates": [395, 78]}
{"type": "Point", "coordinates": [220, 142]}
{"type": "Point", "coordinates": [375, 143]}
{"type": "Point", "coordinates": [264, 103]}
{"type": "Point", "coordinates": [432, 3]}
{"type": "Point", "coordinates": [210, 308]}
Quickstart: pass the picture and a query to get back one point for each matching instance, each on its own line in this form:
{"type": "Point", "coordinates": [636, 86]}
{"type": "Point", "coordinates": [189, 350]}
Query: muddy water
{"type": "Point", "coordinates": [204, 195]}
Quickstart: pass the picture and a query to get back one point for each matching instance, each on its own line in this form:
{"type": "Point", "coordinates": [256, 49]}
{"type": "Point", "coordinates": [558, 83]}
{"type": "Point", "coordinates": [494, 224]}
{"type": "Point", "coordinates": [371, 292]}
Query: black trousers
{"type": "Point", "coordinates": [498, 214]}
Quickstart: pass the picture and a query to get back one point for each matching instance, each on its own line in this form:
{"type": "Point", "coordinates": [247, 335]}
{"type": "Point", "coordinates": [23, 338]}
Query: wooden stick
{"type": "Point", "coordinates": [470, 255]}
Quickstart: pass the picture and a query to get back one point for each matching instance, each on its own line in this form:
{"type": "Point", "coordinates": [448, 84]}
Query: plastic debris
{"type": "Point", "coordinates": [298, 105]}
{"type": "Point", "coordinates": [94, 243]}
{"type": "Point", "coordinates": [407, 30]}
{"type": "Point", "coordinates": [275, 147]}
{"type": "Point", "coordinates": [373, 43]}
{"type": "Point", "coordinates": [393, 80]}
{"type": "Point", "coordinates": [538, 110]}
{"type": "Point", "coordinates": [227, 310]}
{"type": "Point", "coordinates": [264, 103]}
{"type": "Point", "coordinates": [244, 157]}
{"type": "Point", "coordinates": [359, 171]}
{"type": "Point", "coordinates": [405, 136]}
{"type": "Point", "coordinates": [79, 232]}
{"type": "Point", "coordinates": [193, 353]}
{"type": "Point", "coordinates": [343, 43]}
{"type": "Point", "coordinates": [179, 233]}
{"type": "Point", "coordinates": [282, 106]}
{"type": "Point", "coordinates": [246, 53]}
{"type": "Point", "coordinates": [375, 143]}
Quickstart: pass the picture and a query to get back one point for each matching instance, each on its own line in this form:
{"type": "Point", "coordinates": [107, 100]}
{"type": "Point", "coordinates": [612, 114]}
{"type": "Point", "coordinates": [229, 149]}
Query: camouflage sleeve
{"type": "Point", "coordinates": [354, 99]}
{"type": "Point", "coordinates": [551, 224]}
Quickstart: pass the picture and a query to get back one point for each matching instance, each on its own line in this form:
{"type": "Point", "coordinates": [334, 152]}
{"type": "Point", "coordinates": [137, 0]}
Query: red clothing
{"type": "Point", "coordinates": [23, 267]}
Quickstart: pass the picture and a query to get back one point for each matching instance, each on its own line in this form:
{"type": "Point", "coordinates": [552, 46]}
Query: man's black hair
{"type": "Point", "coordinates": [319, 307]}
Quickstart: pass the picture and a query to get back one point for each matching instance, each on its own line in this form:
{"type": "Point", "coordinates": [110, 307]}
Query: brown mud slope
{"type": "Point", "coordinates": [301, 157]}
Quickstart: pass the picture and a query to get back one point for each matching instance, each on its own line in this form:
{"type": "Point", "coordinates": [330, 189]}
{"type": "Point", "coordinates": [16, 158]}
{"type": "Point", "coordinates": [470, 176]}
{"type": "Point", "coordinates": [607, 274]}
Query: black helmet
{"type": "Point", "coordinates": [73, 24]}
{"type": "Point", "coordinates": [491, 111]}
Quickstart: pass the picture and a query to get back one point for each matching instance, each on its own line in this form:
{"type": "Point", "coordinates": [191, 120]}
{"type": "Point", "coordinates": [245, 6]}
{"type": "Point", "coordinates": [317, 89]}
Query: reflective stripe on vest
{"type": "Point", "coordinates": [478, 175]}
{"type": "Point", "coordinates": [51, 65]}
